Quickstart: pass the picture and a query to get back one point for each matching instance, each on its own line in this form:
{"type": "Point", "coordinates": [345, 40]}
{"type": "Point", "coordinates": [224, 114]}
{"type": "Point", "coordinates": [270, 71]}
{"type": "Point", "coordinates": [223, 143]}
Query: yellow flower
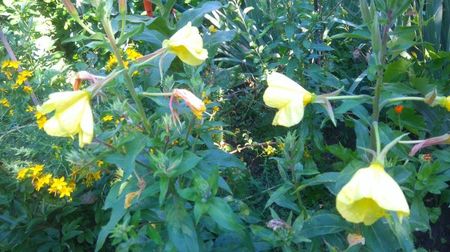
{"type": "Point", "coordinates": [57, 185]}
{"type": "Point", "coordinates": [10, 64]}
{"type": "Point", "coordinates": [187, 44]}
{"type": "Point", "coordinates": [73, 115]}
{"type": "Point", "coordinates": [111, 63]}
{"type": "Point", "coordinates": [22, 173]}
{"type": "Point", "coordinates": [66, 191]}
{"type": "Point", "coordinates": [5, 103]}
{"type": "Point", "coordinates": [446, 103]}
{"type": "Point", "coordinates": [100, 163]}
{"type": "Point", "coordinates": [27, 89]}
{"type": "Point", "coordinates": [132, 54]}
{"type": "Point", "coordinates": [29, 108]}
{"type": "Point", "coordinates": [23, 76]}
{"type": "Point", "coordinates": [42, 181]}
{"type": "Point", "coordinates": [369, 195]}
{"type": "Point", "coordinates": [194, 103]}
{"type": "Point", "coordinates": [288, 97]}
{"type": "Point", "coordinates": [107, 118]}
{"type": "Point", "coordinates": [212, 29]}
{"type": "Point", "coordinates": [41, 119]}
{"type": "Point", "coordinates": [36, 171]}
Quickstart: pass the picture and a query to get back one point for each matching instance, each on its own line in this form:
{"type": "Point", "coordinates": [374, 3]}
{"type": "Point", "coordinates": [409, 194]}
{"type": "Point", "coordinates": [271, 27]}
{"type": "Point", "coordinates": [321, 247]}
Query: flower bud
{"type": "Point", "coordinates": [70, 8]}
{"type": "Point", "coordinates": [194, 103]}
{"type": "Point", "coordinates": [122, 7]}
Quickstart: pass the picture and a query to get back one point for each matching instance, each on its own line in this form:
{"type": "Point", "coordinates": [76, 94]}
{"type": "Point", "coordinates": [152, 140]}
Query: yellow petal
{"type": "Point", "coordinates": [87, 127]}
{"type": "Point", "coordinates": [369, 195]}
{"type": "Point", "coordinates": [289, 115]}
{"type": "Point", "coordinates": [447, 103]}
{"type": "Point", "coordinates": [187, 44]}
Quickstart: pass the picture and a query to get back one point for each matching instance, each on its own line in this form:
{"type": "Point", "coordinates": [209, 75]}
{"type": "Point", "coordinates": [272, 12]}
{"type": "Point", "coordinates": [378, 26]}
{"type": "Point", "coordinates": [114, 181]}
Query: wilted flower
{"type": "Point", "coordinates": [277, 224]}
{"type": "Point", "coordinates": [355, 239]}
{"type": "Point", "coordinates": [369, 195]}
{"type": "Point", "coordinates": [187, 44]}
{"type": "Point", "coordinates": [288, 97]}
{"type": "Point", "coordinates": [73, 115]}
{"type": "Point", "coordinates": [444, 139]}
{"type": "Point", "coordinates": [194, 103]}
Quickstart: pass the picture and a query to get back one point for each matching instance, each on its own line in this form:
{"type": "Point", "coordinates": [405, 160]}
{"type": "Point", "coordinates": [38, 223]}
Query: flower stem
{"type": "Point", "coordinates": [128, 81]}
{"type": "Point", "coordinates": [147, 94]}
{"type": "Point", "coordinates": [397, 99]}
{"type": "Point", "coordinates": [348, 97]}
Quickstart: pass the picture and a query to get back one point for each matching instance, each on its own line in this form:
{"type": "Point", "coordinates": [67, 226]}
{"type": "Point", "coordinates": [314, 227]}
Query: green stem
{"type": "Point", "coordinates": [348, 97]}
{"type": "Point", "coordinates": [147, 94]}
{"type": "Point", "coordinates": [128, 80]}
{"type": "Point", "coordinates": [397, 99]}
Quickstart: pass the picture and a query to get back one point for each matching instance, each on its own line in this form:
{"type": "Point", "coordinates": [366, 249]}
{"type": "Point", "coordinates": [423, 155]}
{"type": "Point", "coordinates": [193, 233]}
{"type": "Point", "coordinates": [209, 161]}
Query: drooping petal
{"type": "Point", "coordinates": [369, 195]}
{"type": "Point", "coordinates": [289, 115]}
{"type": "Point", "coordinates": [87, 126]}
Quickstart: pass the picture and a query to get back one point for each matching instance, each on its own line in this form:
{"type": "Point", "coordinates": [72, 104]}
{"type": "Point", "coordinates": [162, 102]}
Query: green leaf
{"type": "Point", "coordinates": [181, 228]}
{"type": "Point", "coordinates": [277, 194]}
{"type": "Point", "coordinates": [323, 224]}
{"type": "Point", "coordinates": [189, 161]}
{"type": "Point", "coordinates": [163, 188]}
{"type": "Point", "coordinates": [200, 209]}
{"type": "Point", "coordinates": [379, 237]}
{"type": "Point", "coordinates": [195, 15]}
{"type": "Point", "coordinates": [223, 215]}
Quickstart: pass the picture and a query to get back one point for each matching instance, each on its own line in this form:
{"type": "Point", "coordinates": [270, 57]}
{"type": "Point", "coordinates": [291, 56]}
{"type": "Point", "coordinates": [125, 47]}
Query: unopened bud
{"type": "Point", "coordinates": [430, 97]}
{"type": "Point", "coordinates": [122, 7]}
{"type": "Point", "coordinates": [70, 8]}
{"type": "Point", "coordinates": [194, 103]}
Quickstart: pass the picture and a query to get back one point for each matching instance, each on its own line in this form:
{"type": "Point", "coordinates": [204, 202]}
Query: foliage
{"type": "Point", "coordinates": [184, 155]}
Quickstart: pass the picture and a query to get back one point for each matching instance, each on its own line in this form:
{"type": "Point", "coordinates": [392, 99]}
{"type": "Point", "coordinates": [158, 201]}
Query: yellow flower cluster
{"type": "Point", "coordinates": [41, 119]}
{"type": "Point", "coordinates": [269, 150]}
{"type": "Point", "coordinates": [57, 186]}
{"type": "Point", "coordinates": [107, 118]}
{"type": "Point", "coordinates": [131, 55]}
{"type": "Point", "coordinates": [5, 103]}
{"type": "Point", "coordinates": [8, 67]}
{"type": "Point", "coordinates": [92, 177]}
{"type": "Point", "coordinates": [21, 78]}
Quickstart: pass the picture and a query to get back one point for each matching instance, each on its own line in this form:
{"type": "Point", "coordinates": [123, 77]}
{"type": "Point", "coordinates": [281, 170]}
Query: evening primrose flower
{"type": "Point", "coordinates": [369, 195]}
{"type": "Point", "coordinates": [187, 44]}
{"type": "Point", "coordinates": [445, 102]}
{"type": "Point", "coordinates": [73, 115]}
{"type": "Point", "coordinates": [194, 103]}
{"type": "Point", "coordinates": [288, 97]}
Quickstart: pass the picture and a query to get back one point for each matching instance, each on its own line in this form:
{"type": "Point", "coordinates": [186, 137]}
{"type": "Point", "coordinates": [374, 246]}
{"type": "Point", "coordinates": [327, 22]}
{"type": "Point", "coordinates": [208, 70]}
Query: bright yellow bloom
{"type": "Point", "coordinates": [194, 103]}
{"type": "Point", "coordinates": [187, 44]}
{"type": "Point", "coordinates": [111, 63]}
{"type": "Point", "coordinates": [23, 76]}
{"type": "Point", "coordinates": [446, 103]}
{"type": "Point", "coordinates": [57, 185]}
{"type": "Point", "coordinates": [41, 119]}
{"type": "Point", "coordinates": [73, 115]}
{"type": "Point", "coordinates": [100, 163]}
{"type": "Point", "coordinates": [42, 181]}
{"type": "Point", "coordinates": [10, 64]}
{"type": "Point", "coordinates": [22, 173]}
{"type": "Point", "coordinates": [27, 89]}
{"type": "Point", "coordinates": [369, 195]}
{"type": "Point", "coordinates": [66, 191]}
{"type": "Point", "coordinates": [5, 103]}
{"type": "Point", "coordinates": [132, 54]}
{"type": "Point", "coordinates": [288, 97]}
{"type": "Point", "coordinates": [36, 171]}
{"type": "Point", "coordinates": [107, 118]}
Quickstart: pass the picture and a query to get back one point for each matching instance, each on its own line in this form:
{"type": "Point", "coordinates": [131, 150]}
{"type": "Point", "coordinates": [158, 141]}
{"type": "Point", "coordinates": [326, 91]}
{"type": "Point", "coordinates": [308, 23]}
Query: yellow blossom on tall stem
{"type": "Point", "coordinates": [288, 97]}
{"type": "Point", "coordinates": [42, 181]}
{"type": "Point", "coordinates": [187, 44]}
{"type": "Point", "coordinates": [57, 185]}
{"type": "Point", "coordinates": [369, 195]}
{"type": "Point", "coordinates": [73, 115]}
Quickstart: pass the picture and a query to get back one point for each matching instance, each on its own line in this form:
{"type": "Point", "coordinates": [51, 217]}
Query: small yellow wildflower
{"type": "Point", "coordinates": [57, 185]}
{"type": "Point", "coordinates": [27, 89]}
{"type": "Point", "coordinates": [100, 163]}
{"type": "Point", "coordinates": [269, 150]}
{"type": "Point", "coordinates": [42, 181]}
{"type": "Point", "coordinates": [5, 103]}
{"type": "Point", "coordinates": [207, 101]}
{"type": "Point", "coordinates": [23, 76]}
{"type": "Point", "coordinates": [107, 118]}
{"type": "Point", "coordinates": [41, 119]}
{"type": "Point", "coordinates": [36, 171]}
{"type": "Point", "coordinates": [66, 191]}
{"type": "Point", "coordinates": [132, 54]}
{"type": "Point", "coordinates": [22, 173]}
{"type": "Point", "coordinates": [10, 64]}
{"type": "Point", "coordinates": [212, 29]}
{"type": "Point", "coordinates": [11, 112]}
{"type": "Point", "coordinates": [30, 108]}
{"type": "Point", "coordinates": [111, 63]}
{"type": "Point", "coordinates": [216, 109]}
